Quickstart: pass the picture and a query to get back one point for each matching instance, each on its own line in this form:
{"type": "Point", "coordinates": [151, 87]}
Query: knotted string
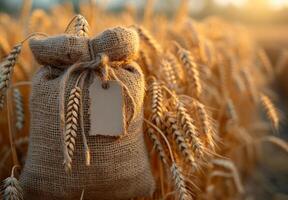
{"type": "Point", "coordinates": [100, 65]}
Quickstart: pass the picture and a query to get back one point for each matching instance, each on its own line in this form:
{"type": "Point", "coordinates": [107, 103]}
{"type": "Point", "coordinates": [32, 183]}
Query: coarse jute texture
{"type": "Point", "coordinates": [119, 167]}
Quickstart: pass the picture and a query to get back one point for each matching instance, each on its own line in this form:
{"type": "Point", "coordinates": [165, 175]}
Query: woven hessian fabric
{"type": "Point", "coordinates": [120, 167]}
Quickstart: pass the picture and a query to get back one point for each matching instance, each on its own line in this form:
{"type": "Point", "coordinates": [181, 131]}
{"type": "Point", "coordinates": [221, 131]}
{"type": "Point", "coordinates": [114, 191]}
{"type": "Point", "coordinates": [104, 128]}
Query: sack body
{"type": "Point", "coordinates": [119, 168]}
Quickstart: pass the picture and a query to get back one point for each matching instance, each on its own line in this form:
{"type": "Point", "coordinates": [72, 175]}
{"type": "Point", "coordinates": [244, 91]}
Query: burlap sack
{"type": "Point", "coordinates": [119, 166]}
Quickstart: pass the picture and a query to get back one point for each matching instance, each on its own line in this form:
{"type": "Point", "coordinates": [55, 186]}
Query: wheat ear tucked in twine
{"type": "Point", "coordinates": [72, 124]}
{"type": "Point", "coordinates": [19, 109]}
{"type": "Point", "coordinates": [12, 189]}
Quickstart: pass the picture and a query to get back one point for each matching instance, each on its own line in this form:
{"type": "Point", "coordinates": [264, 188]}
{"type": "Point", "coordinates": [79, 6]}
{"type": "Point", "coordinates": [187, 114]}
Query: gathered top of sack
{"type": "Point", "coordinates": [117, 43]}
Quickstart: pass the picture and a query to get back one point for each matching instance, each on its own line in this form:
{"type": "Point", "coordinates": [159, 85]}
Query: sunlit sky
{"type": "Point", "coordinates": [276, 4]}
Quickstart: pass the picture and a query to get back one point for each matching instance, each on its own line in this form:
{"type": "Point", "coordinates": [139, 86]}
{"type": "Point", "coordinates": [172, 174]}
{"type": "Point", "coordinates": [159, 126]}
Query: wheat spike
{"type": "Point", "coordinates": [177, 134]}
{"type": "Point", "coordinates": [178, 71]}
{"type": "Point", "coordinates": [205, 122]}
{"type": "Point", "coordinates": [12, 189]}
{"type": "Point", "coordinates": [157, 145]}
{"type": "Point", "coordinates": [231, 111]}
{"type": "Point", "coordinates": [157, 103]}
{"type": "Point", "coordinates": [271, 110]}
{"type": "Point", "coordinates": [186, 124]}
{"type": "Point", "coordinates": [266, 63]}
{"type": "Point", "coordinates": [2, 101]}
{"type": "Point", "coordinates": [146, 61]}
{"type": "Point", "coordinates": [250, 85]}
{"type": "Point", "coordinates": [78, 26]}
{"type": "Point", "coordinates": [19, 108]}
{"type": "Point", "coordinates": [169, 74]}
{"type": "Point", "coordinates": [149, 39]}
{"type": "Point", "coordinates": [72, 125]}
{"type": "Point", "coordinates": [6, 69]}
{"type": "Point", "coordinates": [191, 68]}
{"type": "Point", "coordinates": [179, 182]}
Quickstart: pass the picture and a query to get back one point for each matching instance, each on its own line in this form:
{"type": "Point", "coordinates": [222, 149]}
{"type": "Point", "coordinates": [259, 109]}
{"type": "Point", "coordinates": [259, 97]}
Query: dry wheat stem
{"type": "Point", "coordinates": [271, 111]}
{"type": "Point", "coordinates": [229, 165]}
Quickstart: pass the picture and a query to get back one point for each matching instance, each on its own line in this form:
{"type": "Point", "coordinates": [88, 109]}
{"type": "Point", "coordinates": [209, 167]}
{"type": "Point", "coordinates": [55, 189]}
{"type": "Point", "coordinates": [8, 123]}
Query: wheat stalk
{"type": "Point", "coordinates": [179, 182]}
{"type": "Point", "coordinates": [6, 70]}
{"type": "Point", "coordinates": [78, 26]}
{"type": "Point", "coordinates": [169, 74]}
{"type": "Point", "coordinates": [187, 125]}
{"type": "Point", "coordinates": [12, 189]}
{"type": "Point", "coordinates": [19, 108]}
{"type": "Point", "coordinates": [205, 122]}
{"type": "Point", "coordinates": [71, 125]}
{"type": "Point", "coordinates": [266, 63]}
{"type": "Point", "coordinates": [156, 94]}
{"type": "Point", "coordinates": [173, 129]}
{"type": "Point", "coordinates": [271, 110]}
{"type": "Point", "coordinates": [231, 111]}
{"type": "Point", "coordinates": [191, 68]}
{"type": "Point", "coordinates": [149, 39]}
{"type": "Point", "coordinates": [157, 145]}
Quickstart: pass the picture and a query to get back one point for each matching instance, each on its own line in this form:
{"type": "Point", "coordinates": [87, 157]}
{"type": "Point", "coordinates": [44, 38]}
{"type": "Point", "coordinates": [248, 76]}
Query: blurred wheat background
{"type": "Point", "coordinates": [241, 49]}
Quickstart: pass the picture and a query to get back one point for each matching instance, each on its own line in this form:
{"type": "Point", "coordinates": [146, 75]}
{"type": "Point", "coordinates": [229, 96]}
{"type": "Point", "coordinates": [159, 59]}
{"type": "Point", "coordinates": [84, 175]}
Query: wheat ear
{"type": "Point", "coordinates": [176, 171]}
{"type": "Point", "coordinates": [266, 63]}
{"type": "Point", "coordinates": [78, 26]}
{"type": "Point", "coordinates": [156, 94]}
{"type": "Point", "coordinates": [186, 124]}
{"type": "Point", "coordinates": [72, 124]}
{"type": "Point", "coordinates": [190, 67]}
{"type": "Point", "coordinates": [149, 39]}
{"type": "Point", "coordinates": [19, 108]}
{"type": "Point", "coordinates": [6, 70]}
{"type": "Point", "coordinates": [169, 74]}
{"type": "Point", "coordinates": [157, 145]}
{"type": "Point", "coordinates": [231, 111]}
{"type": "Point", "coordinates": [179, 182]}
{"type": "Point", "coordinates": [12, 189]}
{"type": "Point", "coordinates": [205, 122]}
{"type": "Point", "coordinates": [177, 134]}
{"type": "Point", "coordinates": [271, 110]}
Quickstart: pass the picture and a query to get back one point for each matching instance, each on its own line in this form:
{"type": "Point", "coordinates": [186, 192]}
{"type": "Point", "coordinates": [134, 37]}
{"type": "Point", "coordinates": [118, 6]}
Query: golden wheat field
{"type": "Point", "coordinates": [199, 111]}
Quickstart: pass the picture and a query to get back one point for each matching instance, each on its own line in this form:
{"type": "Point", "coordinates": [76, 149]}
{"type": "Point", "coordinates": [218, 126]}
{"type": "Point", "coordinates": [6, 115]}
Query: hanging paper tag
{"type": "Point", "coordinates": [106, 109]}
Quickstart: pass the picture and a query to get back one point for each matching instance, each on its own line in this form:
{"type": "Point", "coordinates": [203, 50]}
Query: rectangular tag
{"type": "Point", "coordinates": [106, 109]}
